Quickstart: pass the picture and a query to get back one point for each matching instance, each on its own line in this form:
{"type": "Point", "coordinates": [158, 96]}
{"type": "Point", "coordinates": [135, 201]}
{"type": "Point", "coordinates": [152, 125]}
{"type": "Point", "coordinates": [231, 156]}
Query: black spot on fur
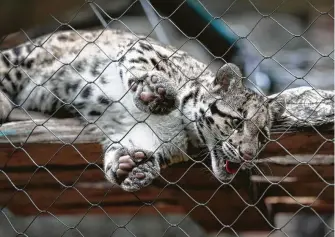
{"type": "Point", "coordinates": [215, 110]}
{"type": "Point", "coordinates": [186, 99]}
{"type": "Point", "coordinates": [121, 60]}
{"type": "Point", "coordinates": [79, 105]}
{"type": "Point", "coordinates": [94, 68]}
{"type": "Point", "coordinates": [154, 62]}
{"type": "Point", "coordinates": [61, 72]}
{"type": "Point", "coordinates": [94, 113]}
{"type": "Point", "coordinates": [139, 60]}
{"type": "Point", "coordinates": [17, 51]}
{"type": "Point", "coordinates": [103, 80]}
{"type": "Point", "coordinates": [173, 69]}
{"type": "Point", "coordinates": [162, 69]}
{"type": "Point", "coordinates": [121, 75]}
{"type": "Point", "coordinates": [79, 66]}
{"type": "Point", "coordinates": [130, 43]}
{"type": "Point", "coordinates": [86, 92]}
{"type": "Point", "coordinates": [29, 63]}
{"type": "Point", "coordinates": [4, 90]}
{"type": "Point", "coordinates": [14, 87]}
{"type": "Point", "coordinates": [103, 100]}
{"type": "Point", "coordinates": [71, 86]}
{"type": "Point", "coordinates": [7, 77]}
{"type": "Point", "coordinates": [16, 62]}
{"type": "Point", "coordinates": [209, 120]}
{"type": "Point", "coordinates": [143, 60]}
{"type": "Point", "coordinates": [196, 94]}
{"type": "Point", "coordinates": [5, 59]}
{"type": "Point", "coordinates": [62, 37]}
{"type": "Point", "coordinates": [139, 51]}
{"type": "Point", "coordinates": [157, 66]}
{"type": "Point", "coordinates": [145, 47]}
{"type": "Point", "coordinates": [18, 75]}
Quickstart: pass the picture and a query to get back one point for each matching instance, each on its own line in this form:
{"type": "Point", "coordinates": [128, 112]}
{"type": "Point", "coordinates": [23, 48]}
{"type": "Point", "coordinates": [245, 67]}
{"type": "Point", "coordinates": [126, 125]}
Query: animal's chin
{"type": "Point", "coordinates": [224, 165]}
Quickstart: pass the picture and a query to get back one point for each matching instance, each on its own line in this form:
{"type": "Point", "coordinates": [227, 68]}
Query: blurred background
{"type": "Point", "coordinates": [278, 45]}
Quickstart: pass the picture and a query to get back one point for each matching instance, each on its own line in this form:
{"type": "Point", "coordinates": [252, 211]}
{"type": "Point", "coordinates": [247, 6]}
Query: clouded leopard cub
{"type": "Point", "coordinates": [148, 99]}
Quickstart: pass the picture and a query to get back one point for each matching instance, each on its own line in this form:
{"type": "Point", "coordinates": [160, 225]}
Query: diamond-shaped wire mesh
{"type": "Point", "coordinates": [52, 166]}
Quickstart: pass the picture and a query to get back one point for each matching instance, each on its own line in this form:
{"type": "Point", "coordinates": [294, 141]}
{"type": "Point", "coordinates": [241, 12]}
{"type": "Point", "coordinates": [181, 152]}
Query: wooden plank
{"type": "Point", "coordinates": [225, 207]}
{"type": "Point", "coordinates": [32, 199]}
{"type": "Point", "coordinates": [182, 173]}
{"type": "Point", "coordinates": [103, 209]}
{"type": "Point", "coordinates": [83, 153]}
{"type": "Point", "coordinates": [318, 190]}
{"type": "Point", "coordinates": [43, 196]}
{"type": "Point", "coordinates": [299, 143]}
{"type": "Point", "coordinates": [39, 154]}
{"type": "Point", "coordinates": [50, 177]}
{"type": "Point", "coordinates": [297, 186]}
{"type": "Point", "coordinates": [285, 204]}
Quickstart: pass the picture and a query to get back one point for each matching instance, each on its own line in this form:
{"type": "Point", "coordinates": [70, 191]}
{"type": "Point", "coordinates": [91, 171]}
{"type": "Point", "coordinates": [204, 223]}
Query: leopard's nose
{"type": "Point", "coordinates": [247, 156]}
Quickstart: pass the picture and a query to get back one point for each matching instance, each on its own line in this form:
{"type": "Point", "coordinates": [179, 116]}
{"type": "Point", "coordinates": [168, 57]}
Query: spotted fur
{"type": "Point", "coordinates": [150, 100]}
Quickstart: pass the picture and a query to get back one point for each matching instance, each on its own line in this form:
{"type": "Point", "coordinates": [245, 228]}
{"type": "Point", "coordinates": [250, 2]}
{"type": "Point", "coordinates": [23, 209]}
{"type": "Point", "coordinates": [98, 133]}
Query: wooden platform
{"type": "Point", "coordinates": [53, 166]}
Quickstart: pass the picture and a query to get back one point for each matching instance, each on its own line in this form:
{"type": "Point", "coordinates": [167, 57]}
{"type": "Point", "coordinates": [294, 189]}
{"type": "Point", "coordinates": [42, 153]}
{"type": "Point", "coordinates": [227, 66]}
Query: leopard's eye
{"type": "Point", "coordinates": [237, 123]}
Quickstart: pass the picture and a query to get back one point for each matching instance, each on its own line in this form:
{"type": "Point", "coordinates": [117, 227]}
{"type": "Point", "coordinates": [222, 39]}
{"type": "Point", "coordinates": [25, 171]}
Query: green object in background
{"type": "Point", "coordinates": [217, 23]}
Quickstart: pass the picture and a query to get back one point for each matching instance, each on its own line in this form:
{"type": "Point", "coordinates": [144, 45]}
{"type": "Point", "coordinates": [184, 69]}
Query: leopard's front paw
{"type": "Point", "coordinates": [132, 170]}
{"type": "Point", "coordinates": [154, 94]}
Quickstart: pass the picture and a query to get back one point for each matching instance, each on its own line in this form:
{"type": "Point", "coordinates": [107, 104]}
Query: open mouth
{"type": "Point", "coordinates": [232, 167]}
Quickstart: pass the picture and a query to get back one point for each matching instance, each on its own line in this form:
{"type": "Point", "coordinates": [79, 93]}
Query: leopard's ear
{"type": "Point", "coordinates": [277, 106]}
{"type": "Point", "coordinates": [228, 77]}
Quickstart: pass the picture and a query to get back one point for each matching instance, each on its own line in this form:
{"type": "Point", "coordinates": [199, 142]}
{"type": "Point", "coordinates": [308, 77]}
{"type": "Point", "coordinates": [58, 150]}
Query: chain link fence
{"type": "Point", "coordinates": [50, 166]}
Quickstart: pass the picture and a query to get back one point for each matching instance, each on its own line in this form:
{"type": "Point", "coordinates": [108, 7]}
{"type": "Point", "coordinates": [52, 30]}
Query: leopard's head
{"type": "Point", "coordinates": [237, 123]}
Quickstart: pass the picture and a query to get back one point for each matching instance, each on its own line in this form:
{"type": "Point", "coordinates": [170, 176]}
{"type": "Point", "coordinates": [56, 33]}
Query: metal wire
{"type": "Point", "coordinates": [155, 19]}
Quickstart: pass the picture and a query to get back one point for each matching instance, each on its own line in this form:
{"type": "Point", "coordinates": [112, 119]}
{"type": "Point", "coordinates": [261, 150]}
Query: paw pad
{"type": "Point", "coordinates": [154, 94]}
{"type": "Point", "coordinates": [135, 170]}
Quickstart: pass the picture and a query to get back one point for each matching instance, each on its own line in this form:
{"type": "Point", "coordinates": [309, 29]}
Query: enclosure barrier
{"type": "Point", "coordinates": [51, 166]}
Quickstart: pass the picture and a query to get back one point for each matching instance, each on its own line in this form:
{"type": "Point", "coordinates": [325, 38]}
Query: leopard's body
{"type": "Point", "coordinates": [147, 98]}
